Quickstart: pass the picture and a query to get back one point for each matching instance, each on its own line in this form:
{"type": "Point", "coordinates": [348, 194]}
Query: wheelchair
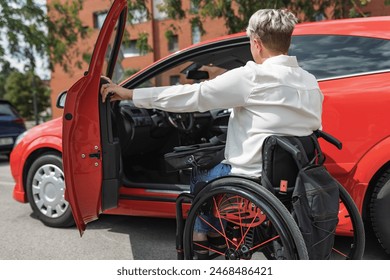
{"type": "Point", "coordinates": [256, 222]}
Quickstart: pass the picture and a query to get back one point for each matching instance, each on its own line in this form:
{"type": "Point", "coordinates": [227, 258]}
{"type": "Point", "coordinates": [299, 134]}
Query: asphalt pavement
{"type": "Point", "coordinates": [24, 237]}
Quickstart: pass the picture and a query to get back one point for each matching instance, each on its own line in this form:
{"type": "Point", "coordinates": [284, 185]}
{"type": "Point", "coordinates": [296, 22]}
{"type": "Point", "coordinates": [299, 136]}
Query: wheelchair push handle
{"type": "Point", "coordinates": [329, 138]}
{"type": "Point", "coordinates": [287, 146]}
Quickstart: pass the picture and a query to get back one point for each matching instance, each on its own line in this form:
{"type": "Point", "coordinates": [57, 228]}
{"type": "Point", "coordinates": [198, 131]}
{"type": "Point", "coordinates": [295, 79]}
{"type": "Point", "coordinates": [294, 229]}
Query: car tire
{"type": "Point", "coordinates": [379, 210]}
{"type": "Point", "coordinates": [45, 190]}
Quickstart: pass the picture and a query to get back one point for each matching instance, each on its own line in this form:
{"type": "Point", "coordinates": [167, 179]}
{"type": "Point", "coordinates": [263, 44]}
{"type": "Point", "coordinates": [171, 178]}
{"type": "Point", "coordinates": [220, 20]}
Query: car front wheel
{"type": "Point", "coordinates": [379, 210]}
{"type": "Point", "coordinates": [45, 189]}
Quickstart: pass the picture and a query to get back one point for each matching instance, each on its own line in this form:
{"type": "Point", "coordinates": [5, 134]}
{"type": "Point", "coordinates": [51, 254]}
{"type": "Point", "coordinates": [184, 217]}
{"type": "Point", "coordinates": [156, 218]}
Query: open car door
{"type": "Point", "coordinates": [91, 154]}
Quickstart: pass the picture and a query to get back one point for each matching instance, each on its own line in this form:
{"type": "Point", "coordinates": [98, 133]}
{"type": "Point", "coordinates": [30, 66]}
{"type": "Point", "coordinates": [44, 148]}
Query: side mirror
{"type": "Point", "coordinates": [61, 100]}
{"type": "Point", "coordinates": [197, 74]}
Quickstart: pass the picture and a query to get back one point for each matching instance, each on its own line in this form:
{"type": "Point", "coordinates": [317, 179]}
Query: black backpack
{"type": "Point", "coordinates": [293, 170]}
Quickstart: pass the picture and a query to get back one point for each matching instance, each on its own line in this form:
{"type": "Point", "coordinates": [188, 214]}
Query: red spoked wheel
{"type": "Point", "coordinates": [251, 221]}
{"type": "Point", "coordinates": [237, 210]}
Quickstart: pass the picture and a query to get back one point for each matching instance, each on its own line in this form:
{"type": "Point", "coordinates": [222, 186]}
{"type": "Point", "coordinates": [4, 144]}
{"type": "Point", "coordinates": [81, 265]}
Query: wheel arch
{"type": "Point", "coordinates": [34, 156]}
{"type": "Point", "coordinates": [366, 173]}
{"type": "Point", "coordinates": [370, 189]}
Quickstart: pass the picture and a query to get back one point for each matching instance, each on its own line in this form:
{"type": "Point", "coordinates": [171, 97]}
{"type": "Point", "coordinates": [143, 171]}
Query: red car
{"type": "Point", "coordinates": [114, 153]}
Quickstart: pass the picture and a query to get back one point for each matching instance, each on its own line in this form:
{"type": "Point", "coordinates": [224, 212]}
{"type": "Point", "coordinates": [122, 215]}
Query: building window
{"type": "Point", "coordinates": [138, 16]}
{"type": "Point", "coordinates": [129, 48]}
{"type": "Point", "coordinates": [173, 43]}
{"type": "Point", "coordinates": [196, 34]}
{"type": "Point", "coordinates": [174, 80]}
{"type": "Point", "coordinates": [98, 19]}
{"type": "Point", "coordinates": [157, 12]}
{"type": "Point", "coordinates": [194, 8]}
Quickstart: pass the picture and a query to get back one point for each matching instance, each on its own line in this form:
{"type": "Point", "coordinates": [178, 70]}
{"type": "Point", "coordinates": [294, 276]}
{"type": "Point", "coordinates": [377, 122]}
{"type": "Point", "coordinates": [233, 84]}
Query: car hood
{"type": "Point", "coordinates": [52, 127]}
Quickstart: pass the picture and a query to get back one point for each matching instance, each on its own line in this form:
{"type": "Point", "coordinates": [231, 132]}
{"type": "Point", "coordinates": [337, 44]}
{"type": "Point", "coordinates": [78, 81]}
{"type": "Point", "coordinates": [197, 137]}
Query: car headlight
{"type": "Point", "coordinates": [20, 137]}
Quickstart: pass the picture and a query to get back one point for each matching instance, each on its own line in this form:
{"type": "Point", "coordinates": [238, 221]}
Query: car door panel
{"type": "Point", "coordinates": [110, 156]}
{"type": "Point", "coordinates": [90, 153]}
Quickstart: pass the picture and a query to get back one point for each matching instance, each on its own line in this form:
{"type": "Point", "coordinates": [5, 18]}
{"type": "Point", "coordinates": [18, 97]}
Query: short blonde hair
{"type": "Point", "coordinates": [273, 27]}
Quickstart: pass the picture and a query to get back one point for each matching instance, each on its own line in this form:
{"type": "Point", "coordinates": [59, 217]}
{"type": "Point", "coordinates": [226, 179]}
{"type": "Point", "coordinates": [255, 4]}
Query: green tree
{"type": "Point", "coordinates": [27, 31]}
{"type": "Point", "coordinates": [5, 71]}
{"type": "Point", "coordinates": [20, 89]}
{"type": "Point", "coordinates": [236, 13]}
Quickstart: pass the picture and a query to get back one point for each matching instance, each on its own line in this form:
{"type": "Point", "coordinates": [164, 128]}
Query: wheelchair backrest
{"type": "Point", "coordinates": [280, 165]}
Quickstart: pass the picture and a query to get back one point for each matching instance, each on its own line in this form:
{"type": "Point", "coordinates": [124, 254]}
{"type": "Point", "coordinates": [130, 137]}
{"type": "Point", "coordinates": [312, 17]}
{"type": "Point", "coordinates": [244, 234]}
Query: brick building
{"type": "Point", "coordinates": [93, 15]}
{"type": "Point", "coordinates": [376, 8]}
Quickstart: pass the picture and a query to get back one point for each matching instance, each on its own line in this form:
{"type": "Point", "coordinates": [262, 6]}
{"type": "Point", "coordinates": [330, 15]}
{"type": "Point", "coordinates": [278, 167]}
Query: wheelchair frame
{"type": "Point", "coordinates": [270, 231]}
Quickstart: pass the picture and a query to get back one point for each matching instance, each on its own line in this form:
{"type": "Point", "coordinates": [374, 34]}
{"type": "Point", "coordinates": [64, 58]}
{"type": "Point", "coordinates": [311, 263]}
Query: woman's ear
{"type": "Point", "coordinates": [258, 44]}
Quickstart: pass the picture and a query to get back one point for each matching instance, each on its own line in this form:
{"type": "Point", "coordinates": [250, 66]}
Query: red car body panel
{"type": "Point", "coordinates": [377, 27]}
{"type": "Point", "coordinates": [47, 136]}
{"type": "Point", "coordinates": [345, 110]}
{"type": "Point", "coordinates": [363, 143]}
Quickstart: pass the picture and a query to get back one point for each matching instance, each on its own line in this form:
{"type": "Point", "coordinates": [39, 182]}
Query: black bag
{"type": "Point", "coordinates": [315, 207]}
{"type": "Point", "coordinates": [314, 193]}
{"type": "Point", "coordinates": [202, 156]}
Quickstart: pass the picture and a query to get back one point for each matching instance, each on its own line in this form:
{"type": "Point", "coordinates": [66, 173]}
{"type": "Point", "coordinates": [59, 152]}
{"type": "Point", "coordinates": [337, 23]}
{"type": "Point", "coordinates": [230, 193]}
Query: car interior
{"type": "Point", "coordinates": [146, 135]}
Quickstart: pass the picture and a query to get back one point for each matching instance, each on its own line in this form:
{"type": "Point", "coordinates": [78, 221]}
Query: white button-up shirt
{"type": "Point", "coordinates": [275, 97]}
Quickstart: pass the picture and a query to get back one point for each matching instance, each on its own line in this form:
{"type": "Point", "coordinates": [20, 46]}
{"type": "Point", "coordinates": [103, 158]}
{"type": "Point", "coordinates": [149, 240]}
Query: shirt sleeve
{"type": "Point", "coordinates": [228, 90]}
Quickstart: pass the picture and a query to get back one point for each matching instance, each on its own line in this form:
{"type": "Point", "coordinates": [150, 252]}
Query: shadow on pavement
{"type": "Point", "coordinates": [4, 160]}
{"type": "Point", "coordinates": [155, 238]}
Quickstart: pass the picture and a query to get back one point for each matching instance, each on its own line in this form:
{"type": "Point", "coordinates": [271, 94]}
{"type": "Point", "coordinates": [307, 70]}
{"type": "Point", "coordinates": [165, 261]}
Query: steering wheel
{"type": "Point", "coordinates": [181, 121]}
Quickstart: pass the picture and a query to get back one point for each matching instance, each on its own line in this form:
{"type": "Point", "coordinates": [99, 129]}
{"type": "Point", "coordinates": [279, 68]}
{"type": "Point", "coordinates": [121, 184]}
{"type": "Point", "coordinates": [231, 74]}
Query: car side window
{"type": "Point", "coordinates": [330, 56]}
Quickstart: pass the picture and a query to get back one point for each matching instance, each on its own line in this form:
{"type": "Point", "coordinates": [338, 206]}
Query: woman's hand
{"type": "Point", "coordinates": [114, 91]}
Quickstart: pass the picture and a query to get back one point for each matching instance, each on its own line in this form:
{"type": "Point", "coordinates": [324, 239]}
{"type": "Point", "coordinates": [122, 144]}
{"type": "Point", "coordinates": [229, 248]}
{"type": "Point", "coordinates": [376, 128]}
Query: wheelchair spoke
{"type": "Point", "coordinates": [264, 243]}
{"type": "Point", "coordinates": [242, 224]}
{"type": "Point", "coordinates": [340, 253]}
{"type": "Point", "coordinates": [228, 241]}
{"type": "Point", "coordinates": [221, 223]}
{"type": "Point", "coordinates": [237, 218]}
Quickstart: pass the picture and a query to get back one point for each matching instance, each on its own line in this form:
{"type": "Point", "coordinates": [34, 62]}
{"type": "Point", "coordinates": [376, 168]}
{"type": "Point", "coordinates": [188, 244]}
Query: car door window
{"type": "Point", "coordinates": [188, 72]}
{"type": "Point", "coordinates": [197, 68]}
{"type": "Point", "coordinates": [330, 56]}
{"type": "Point", "coordinates": [116, 71]}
